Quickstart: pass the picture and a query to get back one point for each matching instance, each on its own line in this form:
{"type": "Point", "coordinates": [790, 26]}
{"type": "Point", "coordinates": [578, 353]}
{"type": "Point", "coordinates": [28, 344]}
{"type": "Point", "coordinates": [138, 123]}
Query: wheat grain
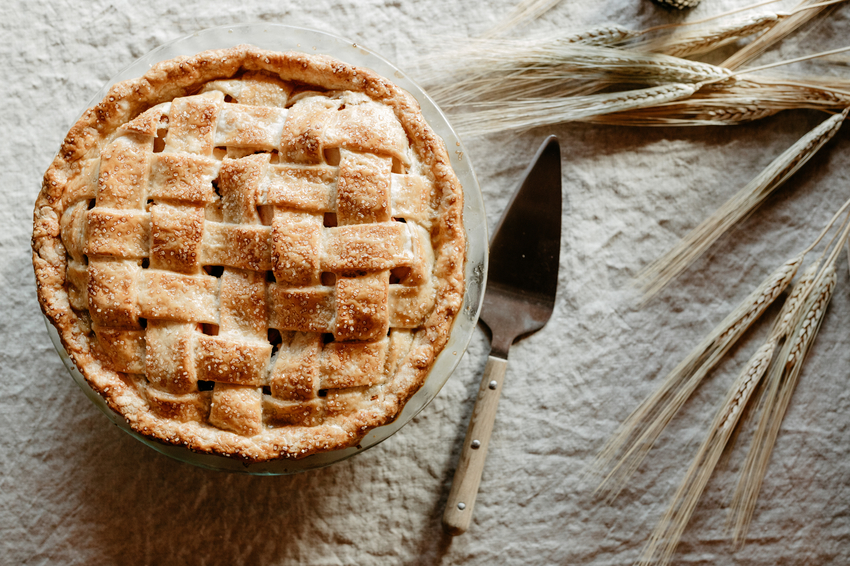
{"type": "Point", "coordinates": [629, 445]}
{"type": "Point", "coordinates": [663, 270]}
{"type": "Point", "coordinates": [745, 495]}
{"type": "Point", "coordinates": [740, 114]}
{"type": "Point", "coordinates": [622, 64]}
{"type": "Point", "coordinates": [688, 113]}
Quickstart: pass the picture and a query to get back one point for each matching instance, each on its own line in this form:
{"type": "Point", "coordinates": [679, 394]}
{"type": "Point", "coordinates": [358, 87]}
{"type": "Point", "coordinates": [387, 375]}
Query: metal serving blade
{"type": "Point", "coordinates": [521, 284]}
{"type": "Point", "coordinates": [523, 273]}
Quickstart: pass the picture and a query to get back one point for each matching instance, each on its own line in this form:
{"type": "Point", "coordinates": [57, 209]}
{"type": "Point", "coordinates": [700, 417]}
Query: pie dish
{"type": "Point", "coordinates": [251, 253]}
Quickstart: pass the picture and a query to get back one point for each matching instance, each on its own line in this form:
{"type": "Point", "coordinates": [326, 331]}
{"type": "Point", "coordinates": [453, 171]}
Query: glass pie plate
{"type": "Point", "coordinates": [285, 38]}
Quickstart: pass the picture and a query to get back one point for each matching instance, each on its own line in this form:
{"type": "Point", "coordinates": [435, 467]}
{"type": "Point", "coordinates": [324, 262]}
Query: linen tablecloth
{"type": "Point", "coordinates": [76, 490]}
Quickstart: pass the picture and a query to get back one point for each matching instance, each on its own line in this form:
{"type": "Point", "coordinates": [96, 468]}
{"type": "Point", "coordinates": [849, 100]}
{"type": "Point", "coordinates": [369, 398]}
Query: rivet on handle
{"type": "Point", "coordinates": [461, 505]}
{"type": "Point", "coordinates": [493, 384]}
{"type": "Point", "coordinates": [476, 444]}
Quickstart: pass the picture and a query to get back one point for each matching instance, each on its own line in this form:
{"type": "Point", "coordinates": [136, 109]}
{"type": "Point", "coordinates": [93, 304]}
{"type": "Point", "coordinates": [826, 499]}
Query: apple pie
{"type": "Point", "coordinates": [251, 253]}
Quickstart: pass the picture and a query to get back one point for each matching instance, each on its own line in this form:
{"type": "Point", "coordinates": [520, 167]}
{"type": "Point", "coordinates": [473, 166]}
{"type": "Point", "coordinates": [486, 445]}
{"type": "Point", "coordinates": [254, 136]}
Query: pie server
{"type": "Point", "coordinates": [519, 298]}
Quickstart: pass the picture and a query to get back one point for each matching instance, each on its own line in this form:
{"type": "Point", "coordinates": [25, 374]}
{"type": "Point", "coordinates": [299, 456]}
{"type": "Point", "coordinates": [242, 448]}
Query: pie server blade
{"type": "Point", "coordinates": [520, 296]}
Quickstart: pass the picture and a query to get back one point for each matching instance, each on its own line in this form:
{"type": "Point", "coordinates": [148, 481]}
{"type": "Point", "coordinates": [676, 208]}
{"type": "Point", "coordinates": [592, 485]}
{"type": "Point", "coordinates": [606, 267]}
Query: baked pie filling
{"type": "Point", "coordinates": [251, 253]}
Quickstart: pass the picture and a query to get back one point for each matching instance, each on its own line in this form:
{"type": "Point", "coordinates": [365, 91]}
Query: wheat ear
{"type": "Point", "coordinates": [806, 10]}
{"type": "Point", "coordinates": [607, 34]}
{"type": "Point", "coordinates": [781, 383]}
{"type": "Point", "coordinates": [730, 103]}
{"type": "Point", "coordinates": [513, 71]}
{"type": "Point", "coordinates": [479, 72]}
{"type": "Point", "coordinates": [663, 270]}
{"type": "Point", "coordinates": [669, 531]}
{"type": "Point", "coordinates": [799, 322]}
{"type": "Point", "coordinates": [580, 59]}
{"type": "Point", "coordinates": [532, 113]}
{"type": "Point", "coordinates": [684, 44]}
{"type": "Point", "coordinates": [629, 445]}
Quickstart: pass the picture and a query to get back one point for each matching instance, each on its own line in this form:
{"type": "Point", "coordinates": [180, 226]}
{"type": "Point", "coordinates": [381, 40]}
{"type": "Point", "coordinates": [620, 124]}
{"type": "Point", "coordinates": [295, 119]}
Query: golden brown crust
{"type": "Point", "coordinates": [232, 409]}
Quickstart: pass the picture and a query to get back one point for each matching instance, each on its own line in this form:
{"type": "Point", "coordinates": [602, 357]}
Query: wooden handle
{"type": "Point", "coordinates": [464, 490]}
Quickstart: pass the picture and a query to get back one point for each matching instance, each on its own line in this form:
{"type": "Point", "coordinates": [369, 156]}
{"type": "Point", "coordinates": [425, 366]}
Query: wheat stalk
{"type": "Point", "coordinates": [810, 324]}
{"type": "Point", "coordinates": [473, 59]}
{"type": "Point", "coordinates": [820, 55]}
{"type": "Point", "coordinates": [482, 66]}
{"type": "Point", "coordinates": [687, 42]}
{"type": "Point", "coordinates": [627, 448]}
{"type": "Point", "coordinates": [689, 112]}
{"type": "Point", "coordinates": [730, 102]}
{"type": "Point", "coordinates": [659, 273]}
{"type": "Point", "coordinates": [505, 56]}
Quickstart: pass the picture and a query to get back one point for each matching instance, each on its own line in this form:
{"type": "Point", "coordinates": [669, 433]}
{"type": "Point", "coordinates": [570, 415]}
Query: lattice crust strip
{"type": "Point", "coordinates": [257, 257]}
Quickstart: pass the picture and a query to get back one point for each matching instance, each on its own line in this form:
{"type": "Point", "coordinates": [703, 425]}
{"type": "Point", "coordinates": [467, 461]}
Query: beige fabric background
{"type": "Point", "coordinates": [76, 490]}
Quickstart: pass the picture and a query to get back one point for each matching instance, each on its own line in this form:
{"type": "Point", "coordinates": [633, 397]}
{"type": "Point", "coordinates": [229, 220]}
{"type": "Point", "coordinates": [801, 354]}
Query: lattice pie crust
{"type": "Point", "coordinates": [251, 253]}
